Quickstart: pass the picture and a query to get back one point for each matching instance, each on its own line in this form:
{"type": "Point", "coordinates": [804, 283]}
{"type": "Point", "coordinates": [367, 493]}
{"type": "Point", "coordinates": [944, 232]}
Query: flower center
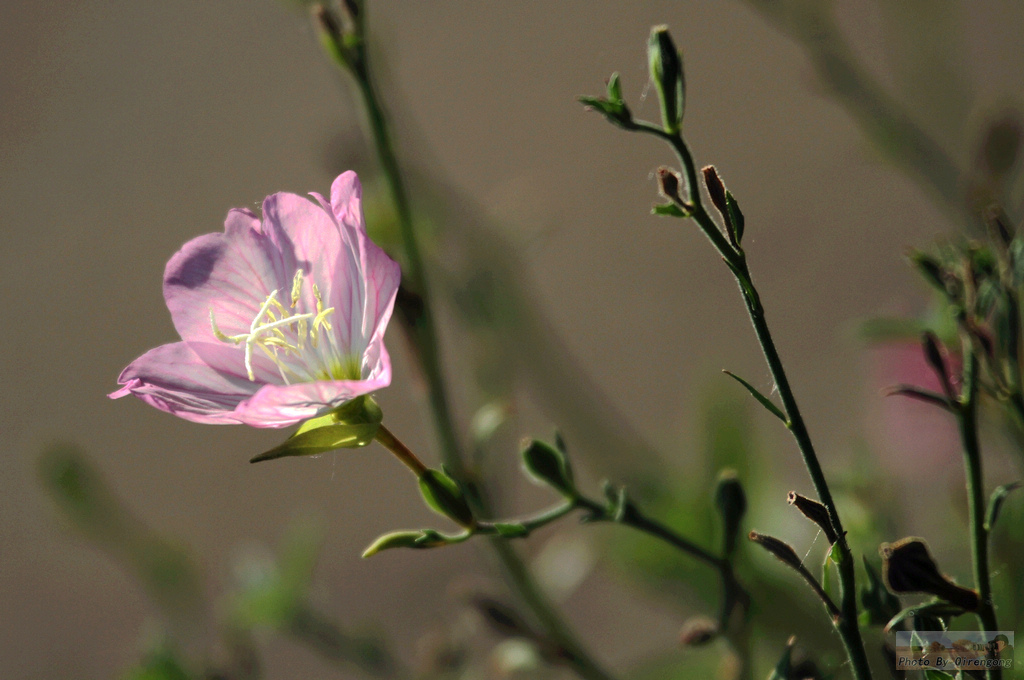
{"type": "Point", "coordinates": [300, 344]}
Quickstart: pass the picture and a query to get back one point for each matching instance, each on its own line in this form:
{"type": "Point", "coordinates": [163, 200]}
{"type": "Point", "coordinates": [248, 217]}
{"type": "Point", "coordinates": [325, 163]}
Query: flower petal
{"type": "Point", "coordinates": [174, 378]}
{"type": "Point", "coordinates": [305, 234]}
{"type": "Point", "coordinates": [347, 200]}
{"type": "Point", "coordinates": [284, 405]}
{"type": "Point", "coordinates": [230, 274]}
{"type": "Point", "coordinates": [367, 307]}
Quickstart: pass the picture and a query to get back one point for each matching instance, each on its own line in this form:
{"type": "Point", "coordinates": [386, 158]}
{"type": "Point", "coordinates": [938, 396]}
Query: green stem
{"type": "Point", "coordinates": [968, 422]}
{"type": "Point", "coordinates": [402, 452]}
{"type": "Point", "coordinates": [846, 624]}
{"type": "Point", "coordinates": [353, 58]}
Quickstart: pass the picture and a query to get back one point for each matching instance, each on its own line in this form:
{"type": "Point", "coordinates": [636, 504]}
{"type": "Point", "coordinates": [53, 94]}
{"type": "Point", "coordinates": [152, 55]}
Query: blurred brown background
{"type": "Point", "coordinates": [129, 127]}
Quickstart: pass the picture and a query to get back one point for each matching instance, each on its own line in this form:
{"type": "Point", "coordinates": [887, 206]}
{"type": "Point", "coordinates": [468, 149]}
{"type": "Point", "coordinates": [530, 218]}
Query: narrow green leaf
{"type": "Point", "coordinates": [403, 539]}
{"type": "Point", "coordinates": [668, 210]}
{"type": "Point", "coordinates": [995, 503]}
{"type": "Point", "coordinates": [934, 609]}
{"type": "Point", "coordinates": [764, 401]}
{"type": "Point", "coordinates": [878, 604]}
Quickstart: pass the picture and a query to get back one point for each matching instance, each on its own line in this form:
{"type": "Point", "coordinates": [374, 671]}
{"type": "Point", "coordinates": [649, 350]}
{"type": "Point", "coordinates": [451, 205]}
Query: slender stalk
{"type": "Point", "coordinates": [654, 528]}
{"type": "Point", "coordinates": [402, 452]}
{"type": "Point", "coordinates": [846, 624]}
{"type": "Point", "coordinates": [352, 57]}
{"type": "Point", "coordinates": [968, 422]}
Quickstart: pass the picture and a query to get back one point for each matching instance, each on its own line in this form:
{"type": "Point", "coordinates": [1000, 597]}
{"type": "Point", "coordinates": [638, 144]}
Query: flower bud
{"type": "Point", "coordinates": [666, 66]}
{"type": "Point", "coordinates": [814, 511]}
{"type": "Point", "coordinates": [731, 501]}
{"type": "Point", "coordinates": [443, 495]}
{"type": "Point", "coordinates": [716, 189]}
{"type": "Point", "coordinates": [404, 539]}
{"type": "Point", "coordinates": [669, 182]}
{"type": "Point", "coordinates": [908, 567]}
{"type": "Point", "coordinates": [550, 466]}
{"type": "Point", "coordinates": [780, 549]}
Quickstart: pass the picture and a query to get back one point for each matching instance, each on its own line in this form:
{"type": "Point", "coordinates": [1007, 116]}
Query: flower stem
{"type": "Point", "coordinates": [846, 624]}
{"type": "Point", "coordinates": [968, 422]}
{"type": "Point", "coordinates": [402, 452]}
{"type": "Point", "coordinates": [351, 56]}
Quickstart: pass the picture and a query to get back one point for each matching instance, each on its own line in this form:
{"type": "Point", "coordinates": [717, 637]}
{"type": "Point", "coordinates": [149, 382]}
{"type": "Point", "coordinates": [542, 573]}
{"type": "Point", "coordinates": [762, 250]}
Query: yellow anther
{"type": "Point", "coordinates": [281, 334]}
{"type": "Point", "coordinates": [296, 287]}
{"type": "Point", "coordinates": [321, 319]}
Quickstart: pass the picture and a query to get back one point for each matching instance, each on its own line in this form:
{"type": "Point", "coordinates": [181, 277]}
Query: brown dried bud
{"type": "Point", "coordinates": [814, 511]}
{"type": "Point", "coordinates": [908, 567]}
{"type": "Point", "coordinates": [716, 189]}
{"type": "Point", "coordinates": [780, 549]}
{"type": "Point", "coordinates": [669, 182]}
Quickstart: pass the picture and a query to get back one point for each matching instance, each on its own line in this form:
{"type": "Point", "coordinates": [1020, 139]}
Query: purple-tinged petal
{"type": "Point", "coordinates": [284, 405]}
{"type": "Point", "coordinates": [305, 234]}
{"type": "Point", "coordinates": [347, 200]}
{"type": "Point", "coordinates": [230, 273]}
{"type": "Point", "coordinates": [366, 305]}
{"type": "Point", "coordinates": [175, 379]}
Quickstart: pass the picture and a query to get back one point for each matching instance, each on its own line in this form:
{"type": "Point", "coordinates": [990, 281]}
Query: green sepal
{"type": "Point", "coordinates": [616, 112]}
{"type": "Point", "coordinates": [668, 210]}
{"type": "Point", "coordinates": [549, 465]}
{"type": "Point", "coordinates": [350, 426]}
{"type": "Point", "coordinates": [615, 89]}
{"type": "Point", "coordinates": [444, 496]}
{"type": "Point", "coordinates": [936, 609]}
{"type": "Point", "coordinates": [735, 216]}
{"type": "Point", "coordinates": [995, 503]}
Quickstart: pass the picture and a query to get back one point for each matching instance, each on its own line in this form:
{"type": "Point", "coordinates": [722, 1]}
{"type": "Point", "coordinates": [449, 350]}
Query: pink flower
{"type": "Point", "coordinates": [281, 320]}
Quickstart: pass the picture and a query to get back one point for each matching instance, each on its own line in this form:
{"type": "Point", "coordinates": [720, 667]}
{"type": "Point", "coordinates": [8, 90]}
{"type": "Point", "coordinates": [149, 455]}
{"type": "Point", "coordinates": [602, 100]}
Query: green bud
{"type": "Point", "coordinates": [666, 64]}
{"type": "Point", "coordinates": [731, 502]}
{"type": "Point", "coordinates": [417, 540]}
{"type": "Point", "coordinates": [443, 495]}
{"type": "Point", "coordinates": [550, 466]}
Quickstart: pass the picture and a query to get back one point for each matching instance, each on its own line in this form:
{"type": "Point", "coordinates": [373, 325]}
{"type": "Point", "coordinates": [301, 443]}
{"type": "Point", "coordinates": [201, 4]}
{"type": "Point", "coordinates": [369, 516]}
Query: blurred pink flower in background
{"type": "Point", "coordinates": [281, 320]}
{"type": "Point", "coordinates": [915, 439]}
